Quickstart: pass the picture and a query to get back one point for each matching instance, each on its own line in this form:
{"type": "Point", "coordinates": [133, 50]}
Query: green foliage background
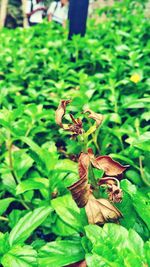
{"type": "Point", "coordinates": [40, 223]}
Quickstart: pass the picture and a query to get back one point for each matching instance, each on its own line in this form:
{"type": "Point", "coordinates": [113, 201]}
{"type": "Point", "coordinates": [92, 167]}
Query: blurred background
{"type": "Point", "coordinates": [12, 10]}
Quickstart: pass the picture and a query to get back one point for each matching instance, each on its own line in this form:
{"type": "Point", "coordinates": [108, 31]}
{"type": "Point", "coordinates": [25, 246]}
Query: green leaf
{"type": "Point", "coordinates": [137, 103]}
{"type": "Point", "coordinates": [4, 203]}
{"type": "Point", "coordinates": [20, 257]}
{"type": "Point", "coordinates": [139, 244]}
{"type": "Point", "coordinates": [14, 217]}
{"type": "Point", "coordinates": [67, 165]}
{"type": "Point", "coordinates": [94, 260]}
{"type": "Point", "coordinates": [60, 228]}
{"type": "Point", "coordinates": [21, 162]}
{"type": "Point", "coordinates": [37, 149]}
{"type": "Point", "coordinates": [132, 221]}
{"type": "Point", "coordinates": [28, 224]}
{"type": "Point", "coordinates": [46, 157]}
{"type": "Point", "coordinates": [93, 232]}
{"type": "Point", "coordinates": [32, 184]}
{"type": "Point", "coordinates": [4, 245]}
{"type": "Point", "coordinates": [68, 211]}
{"type": "Point", "coordinates": [140, 201]}
{"type": "Point", "coordinates": [141, 142]}
{"type": "Point", "coordinates": [134, 176]}
{"type": "Point", "coordinates": [115, 246]}
{"type": "Point", "coordinates": [60, 253]}
{"type": "Point", "coordinates": [147, 250]}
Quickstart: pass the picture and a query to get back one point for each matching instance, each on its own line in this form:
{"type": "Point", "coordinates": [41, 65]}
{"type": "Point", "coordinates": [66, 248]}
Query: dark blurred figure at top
{"type": "Point", "coordinates": [35, 11]}
{"type": "Point", "coordinates": [78, 11]}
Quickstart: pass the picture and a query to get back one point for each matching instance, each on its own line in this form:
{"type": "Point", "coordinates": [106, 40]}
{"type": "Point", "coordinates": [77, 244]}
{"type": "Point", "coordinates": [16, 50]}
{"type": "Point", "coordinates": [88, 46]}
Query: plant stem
{"type": "Point", "coordinates": [3, 219]}
{"type": "Point", "coordinates": [29, 129]}
{"type": "Point", "coordinates": [140, 157]}
{"type": "Point", "coordinates": [21, 198]}
{"type": "Point", "coordinates": [82, 140]}
{"type": "Point", "coordinates": [142, 172]}
{"type": "Point", "coordinates": [22, 201]}
{"type": "Point", "coordinates": [115, 100]}
{"type": "Point", "coordinates": [121, 143]}
{"type": "Point", "coordinates": [94, 137]}
{"type": "Point", "coordinates": [93, 181]}
{"type": "Point", "coordinates": [11, 162]}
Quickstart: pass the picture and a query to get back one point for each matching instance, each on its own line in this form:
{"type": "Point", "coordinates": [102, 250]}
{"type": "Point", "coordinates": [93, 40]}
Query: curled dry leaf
{"type": "Point", "coordinates": [110, 166]}
{"type": "Point", "coordinates": [60, 112]}
{"type": "Point", "coordinates": [95, 116]}
{"type": "Point", "coordinates": [107, 164]}
{"type": "Point", "coordinates": [83, 165]}
{"type": "Point", "coordinates": [100, 211]}
{"type": "Point", "coordinates": [80, 192]}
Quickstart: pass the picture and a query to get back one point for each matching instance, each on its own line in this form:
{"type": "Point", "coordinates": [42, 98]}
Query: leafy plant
{"type": "Point", "coordinates": [44, 197]}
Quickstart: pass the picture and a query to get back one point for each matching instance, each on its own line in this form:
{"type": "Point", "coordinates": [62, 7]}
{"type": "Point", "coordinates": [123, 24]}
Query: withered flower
{"type": "Point", "coordinates": [100, 211]}
{"type": "Point", "coordinates": [114, 194]}
{"type": "Point", "coordinates": [76, 127]}
{"type": "Point", "coordinates": [113, 188]}
{"type": "Point", "coordinates": [95, 116]}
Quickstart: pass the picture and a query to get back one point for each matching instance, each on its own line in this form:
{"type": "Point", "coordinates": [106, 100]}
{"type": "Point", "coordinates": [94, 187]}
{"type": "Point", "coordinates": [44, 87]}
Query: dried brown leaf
{"type": "Point", "coordinates": [83, 165]}
{"type": "Point", "coordinates": [60, 112]}
{"type": "Point", "coordinates": [108, 165]}
{"type": "Point", "coordinates": [95, 116]}
{"type": "Point", "coordinates": [93, 211]}
{"type": "Point", "coordinates": [80, 192]}
{"type": "Point", "coordinates": [100, 211]}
